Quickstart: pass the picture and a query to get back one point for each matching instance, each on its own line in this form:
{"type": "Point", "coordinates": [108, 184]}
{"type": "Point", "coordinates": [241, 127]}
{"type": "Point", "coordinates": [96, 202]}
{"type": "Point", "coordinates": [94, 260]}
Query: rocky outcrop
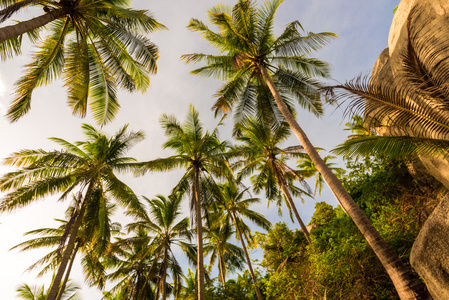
{"type": "Point", "coordinates": [419, 35]}
{"type": "Point", "coordinates": [418, 54]}
{"type": "Point", "coordinates": [430, 252]}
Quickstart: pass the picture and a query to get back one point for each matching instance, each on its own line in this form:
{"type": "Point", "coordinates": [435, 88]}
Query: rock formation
{"type": "Point", "coordinates": [418, 54]}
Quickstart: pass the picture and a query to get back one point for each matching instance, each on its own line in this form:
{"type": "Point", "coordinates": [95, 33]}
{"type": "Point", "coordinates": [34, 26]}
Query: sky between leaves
{"type": "Point", "coordinates": [362, 27]}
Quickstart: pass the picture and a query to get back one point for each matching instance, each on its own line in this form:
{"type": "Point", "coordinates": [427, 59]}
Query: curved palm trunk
{"type": "Point", "coordinates": [248, 261]}
{"type": "Point", "coordinates": [13, 31]}
{"type": "Point", "coordinates": [199, 235]}
{"type": "Point", "coordinates": [69, 249]}
{"type": "Point", "coordinates": [293, 207]}
{"type": "Point", "coordinates": [408, 286]}
{"type": "Point", "coordinates": [67, 275]}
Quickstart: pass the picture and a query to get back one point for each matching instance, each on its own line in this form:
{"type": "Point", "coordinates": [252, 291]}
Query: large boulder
{"type": "Point", "coordinates": [418, 52]}
{"type": "Point", "coordinates": [418, 34]}
{"type": "Point", "coordinates": [430, 252]}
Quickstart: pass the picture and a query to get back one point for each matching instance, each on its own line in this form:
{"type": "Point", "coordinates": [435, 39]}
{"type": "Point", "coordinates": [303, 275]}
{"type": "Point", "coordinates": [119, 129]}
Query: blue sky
{"type": "Point", "coordinates": [362, 27]}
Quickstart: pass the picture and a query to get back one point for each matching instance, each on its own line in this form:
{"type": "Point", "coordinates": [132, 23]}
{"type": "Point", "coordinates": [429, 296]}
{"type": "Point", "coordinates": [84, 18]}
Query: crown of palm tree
{"type": "Point", "coordinates": [246, 42]}
{"type": "Point", "coordinates": [164, 230]}
{"type": "Point", "coordinates": [195, 149]}
{"type": "Point", "coordinates": [260, 152]}
{"type": "Point", "coordinates": [96, 46]}
{"type": "Point", "coordinates": [229, 256]}
{"type": "Point", "coordinates": [134, 275]}
{"type": "Point", "coordinates": [28, 292]}
{"type": "Point", "coordinates": [79, 164]}
{"type": "Point", "coordinates": [233, 206]}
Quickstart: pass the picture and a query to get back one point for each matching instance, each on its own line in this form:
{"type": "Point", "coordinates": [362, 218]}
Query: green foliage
{"type": "Point", "coordinates": [247, 46]}
{"type": "Point", "coordinates": [281, 244]}
{"type": "Point", "coordinates": [339, 264]}
{"type": "Point", "coordinates": [95, 46]}
{"type": "Point", "coordinates": [28, 292]}
{"type": "Point", "coordinates": [324, 213]}
{"type": "Point", "coordinates": [240, 288]}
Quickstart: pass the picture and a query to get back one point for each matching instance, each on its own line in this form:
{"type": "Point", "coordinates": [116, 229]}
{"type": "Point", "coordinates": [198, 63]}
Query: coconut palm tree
{"type": "Point", "coordinates": [135, 268]}
{"type": "Point", "coordinates": [85, 167]}
{"type": "Point", "coordinates": [260, 151]}
{"type": "Point", "coordinates": [166, 231]}
{"type": "Point", "coordinates": [251, 52]}
{"type": "Point", "coordinates": [96, 46]}
{"type": "Point", "coordinates": [93, 239]}
{"type": "Point", "coordinates": [308, 170]}
{"type": "Point", "coordinates": [248, 49]}
{"type": "Point", "coordinates": [228, 255]}
{"type": "Point", "coordinates": [234, 207]}
{"type": "Point", "coordinates": [190, 291]}
{"type": "Point", "coordinates": [202, 155]}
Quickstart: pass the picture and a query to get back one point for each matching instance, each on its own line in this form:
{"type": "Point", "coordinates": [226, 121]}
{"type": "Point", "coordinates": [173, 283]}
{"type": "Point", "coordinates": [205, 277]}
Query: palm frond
{"type": "Point", "coordinates": [397, 105]}
{"type": "Point", "coordinates": [47, 66]}
{"type": "Point", "coordinates": [397, 146]}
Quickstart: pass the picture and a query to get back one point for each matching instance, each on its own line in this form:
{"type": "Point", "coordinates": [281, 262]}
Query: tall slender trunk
{"type": "Point", "coordinates": [164, 276]}
{"type": "Point", "coordinates": [406, 283]}
{"type": "Point", "coordinates": [293, 207]}
{"type": "Point", "coordinates": [13, 31]}
{"type": "Point", "coordinates": [67, 275]}
{"type": "Point", "coordinates": [248, 260]}
{"type": "Point", "coordinates": [68, 251]}
{"type": "Point", "coordinates": [221, 272]}
{"type": "Point", "coordinates": [199, 235]}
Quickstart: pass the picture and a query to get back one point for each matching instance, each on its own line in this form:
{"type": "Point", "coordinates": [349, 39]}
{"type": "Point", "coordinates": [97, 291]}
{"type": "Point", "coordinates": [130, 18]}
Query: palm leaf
{"type": "Point", "coordinates": [48, 65]}
{"type": "Point", "coordinates": [397, 105]}
{"type": "Point", "coordinates": [397, 146]}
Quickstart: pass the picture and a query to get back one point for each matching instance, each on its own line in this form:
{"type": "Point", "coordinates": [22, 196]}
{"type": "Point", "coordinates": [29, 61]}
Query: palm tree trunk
{"type": "Point", "coordinates": [221, 268]}
{"type": "Point", "coordinates": [67, 275]}
{"type": "Point", "coordinates": [13, 31]}
{"type": "Point", "coordinates": [248, 260]}
{"type": "Point", "coordinates": [164, 276]}
{"type": "Point", "coordinates": [68, 251]}
{"type": "Point", "coordinates": [199, 235]}
{"type": "Point", "coordinates": [293, 207]}
{"type": "Point", "coordinates": [406, 283]}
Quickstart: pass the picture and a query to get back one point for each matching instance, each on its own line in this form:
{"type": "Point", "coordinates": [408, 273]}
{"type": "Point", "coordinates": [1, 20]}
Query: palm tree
{"type": "Point", "coordinates": [228, 255]}
{"type": "Point", "coordinates": [251, 52]}
{"type": "Point", "coordinates": [234, 208]}
{"type": "Point", "coordinates": [135, 266]}
{"type": "Point", "coordinates": [308, 170]}
{"type": "Point", "coordinates": [86, 166]}
{"type": "Point", "coordinates": [358, 128]}
{"type": "Point", "coordinates": [260, 151]}
{"type": "Point", "coordinates": [93, 238]}
{"type": "Point", "coordinates": [38, 293]}
{"type": "Point", "coordinates": [96, 46]}
{"type": "Point", "coordinates": [190, 291]}
{"type": "Point", "coordinates": [248, 49]}
{"type": "Point", "coordinates": [167, 231]}
{"type": "Point", "coordinates": [417, 119]}
{"type": "Point", "coordinates": [202, 155]}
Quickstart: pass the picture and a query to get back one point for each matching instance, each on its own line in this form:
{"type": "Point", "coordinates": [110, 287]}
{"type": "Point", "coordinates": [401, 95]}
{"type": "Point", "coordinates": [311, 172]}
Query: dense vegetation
{"type": "Point", "coordinates": [339, 264]}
